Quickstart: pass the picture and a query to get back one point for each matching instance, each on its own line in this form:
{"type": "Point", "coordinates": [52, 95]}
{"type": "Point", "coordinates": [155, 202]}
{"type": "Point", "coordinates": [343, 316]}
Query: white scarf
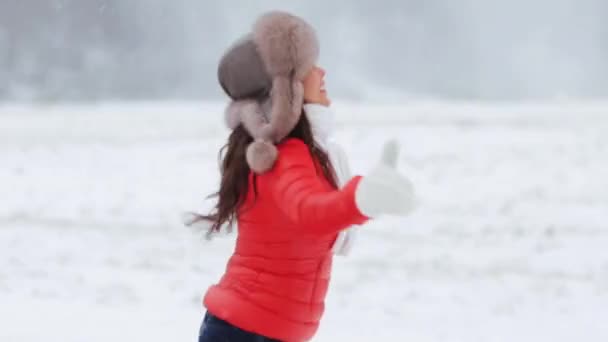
{"type": "Point", "coordinates": [322, 121]}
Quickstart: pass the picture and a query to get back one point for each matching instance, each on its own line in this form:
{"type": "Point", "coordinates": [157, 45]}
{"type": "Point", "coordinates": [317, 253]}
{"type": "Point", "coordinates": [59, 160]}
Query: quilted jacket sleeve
{"type": "Point", "coordinates": [302, 196]}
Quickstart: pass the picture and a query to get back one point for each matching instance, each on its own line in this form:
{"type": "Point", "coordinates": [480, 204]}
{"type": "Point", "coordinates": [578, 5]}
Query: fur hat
{"type": "Point", "coordinates": [262, 73]}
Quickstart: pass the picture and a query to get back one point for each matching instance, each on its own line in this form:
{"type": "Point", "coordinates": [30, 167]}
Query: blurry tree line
{"type": "Point", "coordinates": [72, 50]}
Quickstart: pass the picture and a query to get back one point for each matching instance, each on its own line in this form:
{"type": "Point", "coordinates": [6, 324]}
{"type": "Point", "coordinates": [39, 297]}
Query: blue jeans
{"type": "Point", "coordinates": [214, 329]}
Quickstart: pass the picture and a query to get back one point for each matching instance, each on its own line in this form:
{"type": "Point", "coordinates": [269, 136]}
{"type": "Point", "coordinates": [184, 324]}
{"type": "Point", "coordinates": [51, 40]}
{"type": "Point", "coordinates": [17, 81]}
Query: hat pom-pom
{"type": "Point", "coordinates": [261, 156]}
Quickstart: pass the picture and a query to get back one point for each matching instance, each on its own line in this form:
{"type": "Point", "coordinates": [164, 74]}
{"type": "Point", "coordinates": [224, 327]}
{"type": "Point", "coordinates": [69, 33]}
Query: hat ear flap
{"type": "Point", "coordinates": [254, 121]}
{"type": "Point", "coordinates": [236, 112]}
{"type": "Point", "coordinates": [260, 154]}
{"type": "Point", "coordinates": [287, 96]}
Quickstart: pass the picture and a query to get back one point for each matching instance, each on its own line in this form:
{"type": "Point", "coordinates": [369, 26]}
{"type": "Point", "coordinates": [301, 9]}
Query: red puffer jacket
{"type": "Point", "coordinates": [277, 278]}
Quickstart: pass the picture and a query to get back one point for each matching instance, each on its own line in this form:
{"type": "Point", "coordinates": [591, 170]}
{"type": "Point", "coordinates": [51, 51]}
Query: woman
{"type": "Point", "coordinates": [280, 188]}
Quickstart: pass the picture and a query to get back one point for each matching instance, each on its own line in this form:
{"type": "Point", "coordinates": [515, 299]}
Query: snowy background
{"type": "Point", "coordinates": [110, 125]}
{"type": "Point", "coordinates": [508, 244]}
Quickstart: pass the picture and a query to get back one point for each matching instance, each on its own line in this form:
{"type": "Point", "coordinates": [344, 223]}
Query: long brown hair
{"type": "Point", "coordinates": [234, 170]}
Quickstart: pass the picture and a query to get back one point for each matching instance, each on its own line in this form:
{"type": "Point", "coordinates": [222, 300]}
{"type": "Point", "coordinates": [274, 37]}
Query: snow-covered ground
{"type": "Point", "coordinates": [509, 243]}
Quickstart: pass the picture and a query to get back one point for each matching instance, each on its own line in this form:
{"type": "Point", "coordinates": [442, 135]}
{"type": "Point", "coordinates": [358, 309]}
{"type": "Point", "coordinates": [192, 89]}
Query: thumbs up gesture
{"type": "Point", "coordinates": [385, 190]}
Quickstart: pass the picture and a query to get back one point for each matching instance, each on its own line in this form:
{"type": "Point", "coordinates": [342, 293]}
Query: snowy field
{"type": "Point", "coordinates": [509, 243]}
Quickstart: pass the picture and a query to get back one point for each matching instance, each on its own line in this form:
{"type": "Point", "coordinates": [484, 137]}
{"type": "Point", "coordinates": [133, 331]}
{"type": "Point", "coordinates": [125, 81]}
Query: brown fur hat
{"type": "Point", "coordinates": [262, 73]}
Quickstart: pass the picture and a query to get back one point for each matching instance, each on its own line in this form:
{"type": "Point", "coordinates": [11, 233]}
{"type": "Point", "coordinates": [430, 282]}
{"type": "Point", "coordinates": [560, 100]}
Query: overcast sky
{"type": "Point", "coordinates": [65, 50]}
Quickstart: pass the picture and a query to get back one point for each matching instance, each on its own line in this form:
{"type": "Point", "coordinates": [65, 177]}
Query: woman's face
{"type": "Point", "coordinates": [314, 87]}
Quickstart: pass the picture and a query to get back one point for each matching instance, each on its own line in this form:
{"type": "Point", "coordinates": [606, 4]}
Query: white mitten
{"type": "Point", "coordinates": [384, 190]}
